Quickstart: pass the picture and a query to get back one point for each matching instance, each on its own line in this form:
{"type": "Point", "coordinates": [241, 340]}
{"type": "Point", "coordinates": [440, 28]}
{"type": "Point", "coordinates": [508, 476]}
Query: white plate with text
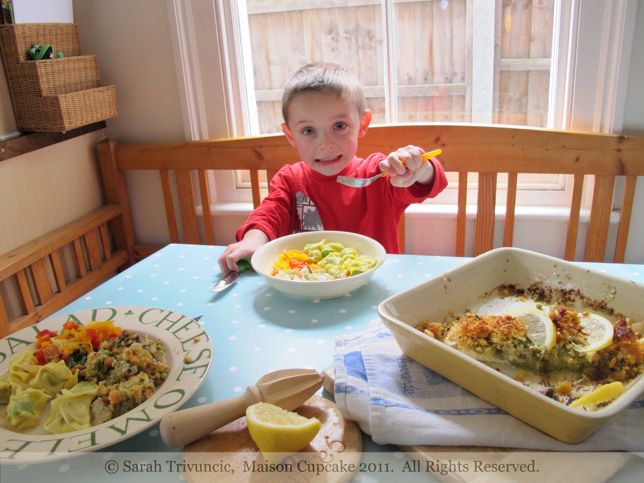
{"type": "Point", "coordinates": [189, 354]}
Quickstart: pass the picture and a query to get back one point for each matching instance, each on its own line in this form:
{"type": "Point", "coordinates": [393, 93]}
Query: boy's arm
{"type": "Point", "coordinates": [274, 215]}
{"type": "Point", "coordinates": [268, 221]}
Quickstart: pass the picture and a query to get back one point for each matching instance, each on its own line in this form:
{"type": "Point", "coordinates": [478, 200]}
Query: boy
{"type": "Point", "coordinates": [325, 114]}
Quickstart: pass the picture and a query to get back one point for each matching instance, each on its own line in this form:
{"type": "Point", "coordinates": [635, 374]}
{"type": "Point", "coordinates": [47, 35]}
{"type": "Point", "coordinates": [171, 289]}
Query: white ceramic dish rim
{"type": "Point", "coordinates": [631, 393]}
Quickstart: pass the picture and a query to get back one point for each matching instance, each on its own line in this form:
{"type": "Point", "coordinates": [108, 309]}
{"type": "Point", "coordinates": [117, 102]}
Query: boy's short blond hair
{"type": "Point", "coordinates": [323, 77]}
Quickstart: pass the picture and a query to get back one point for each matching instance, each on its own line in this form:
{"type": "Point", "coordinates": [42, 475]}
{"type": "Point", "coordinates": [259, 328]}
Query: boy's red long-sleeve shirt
{"type": "Point", "coordinates": [301, 199]}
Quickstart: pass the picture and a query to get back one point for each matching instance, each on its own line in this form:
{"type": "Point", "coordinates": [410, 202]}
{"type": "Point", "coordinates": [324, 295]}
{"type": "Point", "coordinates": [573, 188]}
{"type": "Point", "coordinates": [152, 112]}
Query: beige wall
{"type": "Point", "coordinates": [134, 49]}
{"type": "Point", "coordinates": [132, 42]}
{"type": "Point", "coordinates": [47, 188]}
{"type": "Point", "coordinates": [44, 189]}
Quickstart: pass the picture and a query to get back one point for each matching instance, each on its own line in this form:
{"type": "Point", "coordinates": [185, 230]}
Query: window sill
{"type": "Point", "coordinates": [536, 228]}
{"type": "Point", "coordinates": [532, 213]}
{"type": "Point", "coordinates": [32, 141]}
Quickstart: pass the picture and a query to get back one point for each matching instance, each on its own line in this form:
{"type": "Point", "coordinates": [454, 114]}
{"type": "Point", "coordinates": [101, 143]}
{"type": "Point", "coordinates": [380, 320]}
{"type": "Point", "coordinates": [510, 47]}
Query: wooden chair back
{"type": "Point", "coordinates": [486, 150]}
{"type": "Point", "coordinates": [51, 271]}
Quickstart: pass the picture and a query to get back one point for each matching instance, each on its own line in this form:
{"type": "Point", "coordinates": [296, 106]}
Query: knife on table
{"type": "Point", "coordinates": [230, 277]}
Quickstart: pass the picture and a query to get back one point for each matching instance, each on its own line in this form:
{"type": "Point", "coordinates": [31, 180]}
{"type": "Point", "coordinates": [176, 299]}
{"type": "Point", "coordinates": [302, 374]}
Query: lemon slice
{"type": "Point", "coordinates": [598, 329]}
{"type": "Point", "coordinates": [540, 329]}
{"type": "Point", "coordinates": [604, 393]}
{"type": "Point", "coordinates": [276, 430]}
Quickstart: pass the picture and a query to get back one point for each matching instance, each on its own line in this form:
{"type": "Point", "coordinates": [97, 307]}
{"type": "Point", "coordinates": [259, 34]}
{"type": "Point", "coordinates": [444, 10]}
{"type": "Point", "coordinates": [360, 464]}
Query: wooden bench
{"type": "Point", "coordinates": [486, 150]}
{"type": "Point", "coordinates": [51, 271]}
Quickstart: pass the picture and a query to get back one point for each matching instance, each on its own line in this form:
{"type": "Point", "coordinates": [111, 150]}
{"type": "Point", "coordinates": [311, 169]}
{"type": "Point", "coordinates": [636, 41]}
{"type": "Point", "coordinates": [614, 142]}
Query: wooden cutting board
{"type": "Point", "coordinates": [233, 449]}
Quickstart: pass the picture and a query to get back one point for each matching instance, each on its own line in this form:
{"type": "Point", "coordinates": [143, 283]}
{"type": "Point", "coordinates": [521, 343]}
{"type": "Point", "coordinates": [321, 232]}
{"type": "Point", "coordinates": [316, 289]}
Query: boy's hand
{"type": "Point", "coordinates": [406, 167]}
{"type": "Point", "coordinates": [244, 249]}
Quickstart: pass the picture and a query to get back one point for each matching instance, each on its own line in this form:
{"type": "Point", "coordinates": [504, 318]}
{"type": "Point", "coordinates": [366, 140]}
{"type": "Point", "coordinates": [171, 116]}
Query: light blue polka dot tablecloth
{"type": "Point", "coordinates": [254, 329]}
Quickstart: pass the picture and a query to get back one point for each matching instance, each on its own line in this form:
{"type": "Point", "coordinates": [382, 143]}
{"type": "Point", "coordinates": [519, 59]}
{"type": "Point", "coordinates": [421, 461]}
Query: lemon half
{"type": "Point", "coordinates": [598, 329]}
{"type": "Point", "coordinates": [276, 430]}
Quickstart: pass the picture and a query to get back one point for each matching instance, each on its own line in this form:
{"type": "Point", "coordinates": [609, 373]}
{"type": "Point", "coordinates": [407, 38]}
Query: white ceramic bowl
{"type": "Point", "coordinates": [263, 259]}
{"type": "Point", "coordinates": [462, 287]}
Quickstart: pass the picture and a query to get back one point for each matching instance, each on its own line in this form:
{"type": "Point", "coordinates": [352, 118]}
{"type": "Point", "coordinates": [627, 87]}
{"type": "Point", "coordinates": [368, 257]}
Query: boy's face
{"type": "Point", "coordinates": [325, 128]}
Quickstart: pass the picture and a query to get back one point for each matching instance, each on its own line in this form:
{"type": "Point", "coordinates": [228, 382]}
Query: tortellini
{"type": "Point", "coordinates": [24, 408]}
{"type": "Point", "coordinates": [54, 377]}
{"type": "Point", "coordinates": [23, 369]}
{"type": "Point", "coordinates": [321, 261]}
{"type": "Point", "coordinates": [66, 368]}
{"type": "Point", "coordinates": [70, 411]}
{"type": "Point", "coordinates": [6, 389]}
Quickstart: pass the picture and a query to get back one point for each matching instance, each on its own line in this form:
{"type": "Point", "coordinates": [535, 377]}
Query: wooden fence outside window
{"type": "Point", "coordinates": [456, 60]}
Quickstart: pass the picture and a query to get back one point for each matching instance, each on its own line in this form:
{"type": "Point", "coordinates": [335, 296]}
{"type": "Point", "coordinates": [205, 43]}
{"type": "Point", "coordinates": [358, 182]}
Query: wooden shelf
{"type": "Point", "coordinates": [31, 141]}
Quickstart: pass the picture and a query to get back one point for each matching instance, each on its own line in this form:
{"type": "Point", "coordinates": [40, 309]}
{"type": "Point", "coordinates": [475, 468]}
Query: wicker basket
{"type": "Point", "coordinates": [54, 95]}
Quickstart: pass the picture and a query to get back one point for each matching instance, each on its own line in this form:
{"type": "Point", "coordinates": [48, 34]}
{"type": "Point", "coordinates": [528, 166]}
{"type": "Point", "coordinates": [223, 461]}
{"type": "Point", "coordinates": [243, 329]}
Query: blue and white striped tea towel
{"type": "Point", "coordinates": [398, 401]}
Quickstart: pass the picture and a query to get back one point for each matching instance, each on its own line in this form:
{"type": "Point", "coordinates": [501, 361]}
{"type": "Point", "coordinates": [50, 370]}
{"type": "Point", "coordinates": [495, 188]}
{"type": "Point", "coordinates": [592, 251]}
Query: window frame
{"type": "Point", "coordinates": [577, 51]}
